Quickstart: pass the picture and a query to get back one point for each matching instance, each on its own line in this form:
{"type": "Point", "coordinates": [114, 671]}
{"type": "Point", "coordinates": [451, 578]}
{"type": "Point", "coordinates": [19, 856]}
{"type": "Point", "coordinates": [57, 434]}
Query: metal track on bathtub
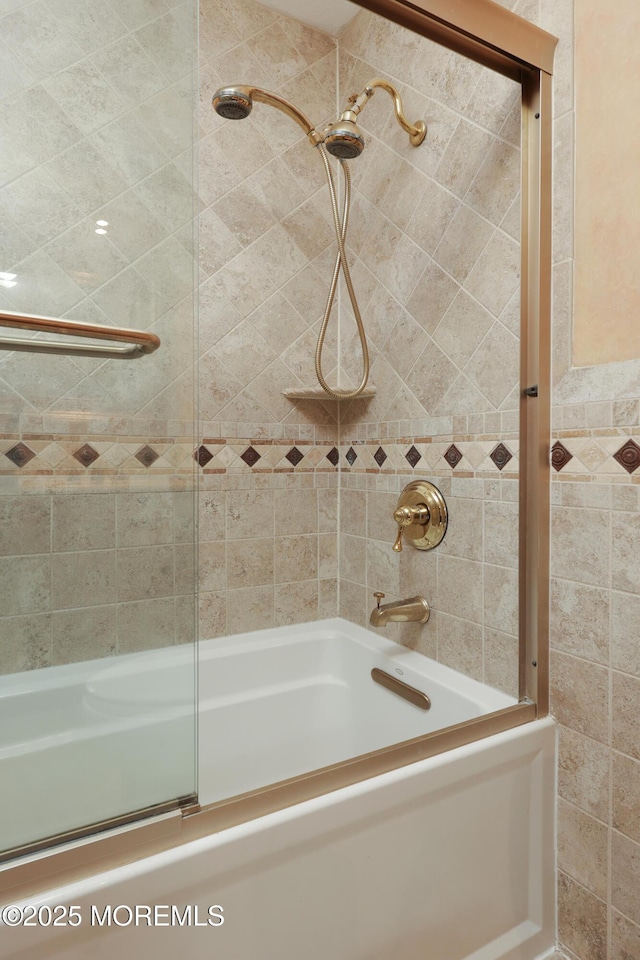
{"type": "Point", "coordinates": [401, 689]}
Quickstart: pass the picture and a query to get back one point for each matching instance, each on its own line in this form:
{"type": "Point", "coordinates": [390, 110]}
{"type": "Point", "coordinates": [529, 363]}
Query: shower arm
{"type": "Point", "coordinates": [417, 131]}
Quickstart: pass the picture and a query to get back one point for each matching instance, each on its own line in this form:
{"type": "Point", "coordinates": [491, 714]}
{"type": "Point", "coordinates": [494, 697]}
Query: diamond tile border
{"type": "Point", "coordinates": [86, 455]}
{"type": "Point", "coordinates": [250, 456]}
{"type": "Point", "coordinates": [452, 456]}
{"type": "Point", "coordinates": [628, 456]}
{"type": "Point", "coordinates": [560, 456]}
{"type": "Point", "coordinates": [203, 456]}
{"type": "Point", "coordinates": [583, 455]}
{"type": "Point", "coordinates": [380, 457]}
{"type": "Point", "coordinates": [147, 455]}
{"type": "Point", "coordinates": [501, 456]}
{"type": "Point", "coordinates": [21, 454]}
{"type": "Point", "coordinates": [294, 456]}
{"type": "Point", "coordinates": [413, 456]}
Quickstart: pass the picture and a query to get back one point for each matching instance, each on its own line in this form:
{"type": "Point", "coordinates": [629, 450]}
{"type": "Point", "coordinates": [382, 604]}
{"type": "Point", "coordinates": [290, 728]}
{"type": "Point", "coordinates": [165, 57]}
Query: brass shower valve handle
{"type": "Point", "coordinates": [405, 516]}
{"type": "Point", "coordinates": [421, 516]}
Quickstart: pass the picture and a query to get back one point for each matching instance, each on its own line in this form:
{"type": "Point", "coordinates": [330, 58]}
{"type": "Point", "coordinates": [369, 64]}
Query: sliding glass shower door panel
{"type": "Point", "coordinates": [97, 414]}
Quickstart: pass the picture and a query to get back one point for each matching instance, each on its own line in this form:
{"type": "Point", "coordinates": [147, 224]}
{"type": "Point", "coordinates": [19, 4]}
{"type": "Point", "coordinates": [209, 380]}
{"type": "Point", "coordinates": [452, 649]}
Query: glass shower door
{"type": "Point", "coordinates": [97, 416]}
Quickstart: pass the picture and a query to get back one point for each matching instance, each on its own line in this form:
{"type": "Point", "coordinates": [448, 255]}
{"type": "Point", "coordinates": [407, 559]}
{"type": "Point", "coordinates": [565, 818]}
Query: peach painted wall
{"type": "Point", "coordinates": [607, 241]}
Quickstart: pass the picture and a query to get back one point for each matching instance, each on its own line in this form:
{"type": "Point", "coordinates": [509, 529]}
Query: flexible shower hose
{"type": "Point", "coordinates": [341, 224]}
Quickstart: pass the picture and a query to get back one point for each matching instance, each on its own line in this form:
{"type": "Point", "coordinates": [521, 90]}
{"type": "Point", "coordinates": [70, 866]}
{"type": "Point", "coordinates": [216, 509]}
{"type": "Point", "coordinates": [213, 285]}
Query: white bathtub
{"type": "Point", "coordinates": [450, 858]}
{"type": "Point", "coordinates": [282, 702]}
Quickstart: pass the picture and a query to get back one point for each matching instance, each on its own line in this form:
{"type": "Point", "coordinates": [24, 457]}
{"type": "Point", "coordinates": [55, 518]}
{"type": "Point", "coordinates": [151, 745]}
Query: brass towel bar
{"type": "Point", "coordinates": [138, 342]}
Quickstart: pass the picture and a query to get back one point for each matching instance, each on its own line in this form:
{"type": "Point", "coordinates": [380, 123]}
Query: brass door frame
{"type": "Point", "coordinates": [502, 41]}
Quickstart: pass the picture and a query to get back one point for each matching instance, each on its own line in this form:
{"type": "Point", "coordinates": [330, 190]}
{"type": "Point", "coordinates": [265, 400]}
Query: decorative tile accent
{"type": "Point", "coordinates": [147, 455]}
{"type": "Point", "coordinates": [413, 456]}
{"type": "Point", "coordinates": [501, 456]}
{"type": "Point", "coordinates": [20, 454]}
{"type": "Point", "coordinates": [560, 456]}
{"type": "Point", "coordinates": [333, 456]}
{"type": "Point", "coordinates": [250, 456]}
{"type": "Point", "coordinates": [294, 456]}
{"type": "Point", "coordinates": [86, 455]}
{"type": "Point", "coordinates": [203, 456]}
{"type": "Point", "coordinates": [351, 456]}
{"type": "Point", "coordinates": [628, 456]}
{"type": "Point", "coordinates": [380, 456]}
{"type": "Point", "coordinates": [453, 456]}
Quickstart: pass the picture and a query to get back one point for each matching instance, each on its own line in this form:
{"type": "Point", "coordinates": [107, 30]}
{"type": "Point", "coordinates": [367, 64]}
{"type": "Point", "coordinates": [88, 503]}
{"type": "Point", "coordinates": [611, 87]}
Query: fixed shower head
{"type": "Point", "coordinates": [344, 139]}
{"type": "Point", "coordinates": [232, 103]}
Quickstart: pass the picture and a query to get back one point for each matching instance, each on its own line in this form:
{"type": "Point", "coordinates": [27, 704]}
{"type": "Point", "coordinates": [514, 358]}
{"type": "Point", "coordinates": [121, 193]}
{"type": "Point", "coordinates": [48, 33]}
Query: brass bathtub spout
{"type": "Point", "coordinates": [414, 609]}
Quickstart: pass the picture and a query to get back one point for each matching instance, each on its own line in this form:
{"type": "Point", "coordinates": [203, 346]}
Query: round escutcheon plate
{"type": "Point", "coordinates": [425, 536]}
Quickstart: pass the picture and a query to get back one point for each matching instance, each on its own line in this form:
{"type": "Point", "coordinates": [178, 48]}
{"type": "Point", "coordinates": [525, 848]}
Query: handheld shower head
{"type": "Point", "coordinates": [236, 102]}
{"type": "Point", "coordinates": [344, 139]}
{"type": "Point", "coordinates": [233, 103]}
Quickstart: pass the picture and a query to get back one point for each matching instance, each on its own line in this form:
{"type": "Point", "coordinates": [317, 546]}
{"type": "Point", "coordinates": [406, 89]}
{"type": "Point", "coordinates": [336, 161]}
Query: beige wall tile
{"type": "Point", "coordinates": [213, 574]}
{"type": "Point", "coordinates": [626, 714]}
{"type": "Point", "coordinates": [501, 661]}
{"type": "Point", "coordinates": [583, 772]}
{"type": "Point", "coordinates": [462, 329]}
{"type": "Point", "coordinates": [296, 512]}
{"type": "Point", "coordinates": [26, 643]}
{"type": "Point", "coordinates": [83, 579]}
{"type": "Point", "coordinates": [580, 619]}
{"type": "Point", "coordinates": [296, 558]}
{"type": "Point", "coordinates": [250, 513]}
{"type": "Point", "coordinates": [625, 562]}
{"type": "Point", "coordinates": [625, 876]}
{"type": "Point", "coordinates": [145, 625]}
{"type": "Point", "coordinates": [25, 525]}
{"type": "Point", "coordinates": [501, 598]}
{"type": "Point", "coordinates": [464, 536]}
{"type": "Point", "coordinates": [582, 920]}
{"type": "Point", "coordinates": [327, 598]}
{"type": "Point", "coordinates": [462, 243]}
{"type": "Point", "coordinates": [577, 554]}
{"type": "Point", "coordinates": [353, 602]}
{"type": "Point", "coordinates": [625, 943]}
{"type": "Point", "coordinates": [86, 634]}
{"type": "Point", "coordinates": [296, 602]}
{"type": "Point", "coordinates": [211, 615]}
{"type": "Point", "coordinates": [460, 645]}
{"type": "Point", "coordinates": [249, 563]}
{"type": "Point", "coordinates": [626, 796]}
{"type": "Point", "coordinates": [580, 695]}
{"type": "Point", "coordinates": [249, 608]}
{"type": "Point", "coordinates": [625, 630]}
{"type": "Point", "coordinates": [144, 518]}
{"type": "Point", "coordinates": [583, 848]}
{"type": "Point", "coordinates": [144, 572]}
{"type": "Point", "coordinates": [460, 588]}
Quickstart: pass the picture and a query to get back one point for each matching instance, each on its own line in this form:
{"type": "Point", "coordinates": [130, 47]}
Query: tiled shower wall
{"type": "Point", "coordinates": [434, 243]}
{"type": "Point", "coordinates": [268, 479]}
{"type": "Point", "coordinates": [97, 470]}
{"type": "Point", "coordinates": [440, 335]}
